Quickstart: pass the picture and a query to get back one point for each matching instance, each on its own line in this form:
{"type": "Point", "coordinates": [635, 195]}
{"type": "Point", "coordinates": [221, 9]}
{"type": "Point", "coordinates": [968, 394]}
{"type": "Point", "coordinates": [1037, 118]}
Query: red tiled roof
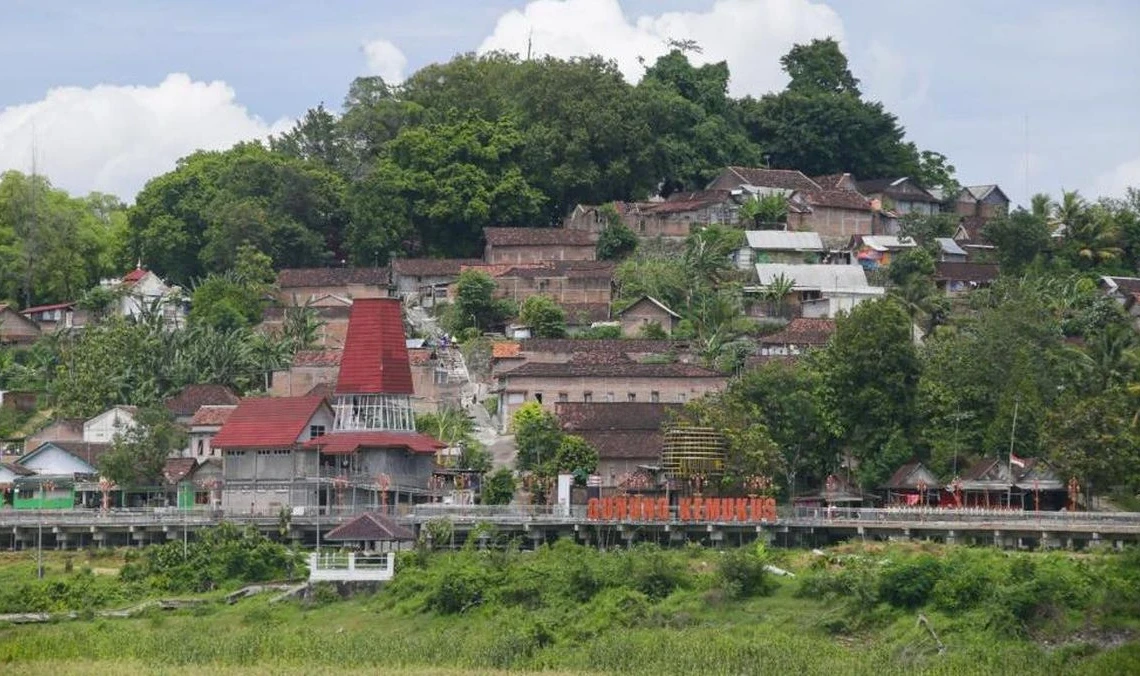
{"type": "Point", "coordinates": [193, 397]}
{"type": "Point", "coordinates": [375, 357]}
{"type": "Point", "coordinates": [785, 179]}
{"type": "Point", "coordinates": [419, 356]}
{"type": "Point", "coordinates": [317, 358]}
{"type": "Point", "coordinates": [134, 276]}
{"type": "Point", "coordinates": [267, 422]}
{"type": "Point", "coordinates": [581, 417]}
{"type": "Point", "coordinates": [836, 199]}
{"type": "Point", "coordinates": [802, 331]}
{"type": "Point", "coordinates": [323, 390]}
{"type": "Point", "coordinates": [337, 443]}
{"type": "Point", "coordinates": [431, 267]}
{"type": "Point", "coordinates": [294, 277]}
{"type": "Point", "coordinates": [177, 469]}
{"type": "Point", "coordinates": [505, 350]}
{"type": "Point", "coordinates": [46, 308]}
{"type": "Point", "coordinates": [538, 237]}
{"type": "Point", "coordinates": [370, 527]}
{"type": "Point", "coordinates": [212, 416]}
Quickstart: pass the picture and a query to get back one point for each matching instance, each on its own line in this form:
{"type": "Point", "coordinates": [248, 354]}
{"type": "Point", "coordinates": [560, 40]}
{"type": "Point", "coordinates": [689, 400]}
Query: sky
{"type": "Point", "coordinates": [1035, 95]}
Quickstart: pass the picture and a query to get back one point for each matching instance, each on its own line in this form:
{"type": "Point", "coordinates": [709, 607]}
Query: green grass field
{"type": "Point", "coordinates": [528, 618]}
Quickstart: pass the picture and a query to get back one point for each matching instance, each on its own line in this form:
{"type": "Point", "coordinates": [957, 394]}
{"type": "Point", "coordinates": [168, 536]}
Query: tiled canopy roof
{"type": "Point", "coordinates": [293, 277]}
{"type": "Point", "coordinates": [370, 527]}
{"type": "Point", "coordinates": [802, 331]}
{"type": "Point", "coordinates": [212, 416]}
{"type": "Point", "coordinates": [627, 431]}
{"type": "Point", "coordinates": [538, 237]}
{"type": "Point", "coordinates": [375, 357]}
{"type": "Point", "coordinates": [965, 272]}
{"type": "Point", "coordinates": [317, 358]}
{"type": "Point", "coordinates": [615, 368]}
{"type": "Point", "coordinates": [193, 397]}
{"type": "Point", "coordinates": [267, 422]}
{"type": "Point", "coordinates": [431, 267]}
{"type": "Point", "coordinates": [785, 179]}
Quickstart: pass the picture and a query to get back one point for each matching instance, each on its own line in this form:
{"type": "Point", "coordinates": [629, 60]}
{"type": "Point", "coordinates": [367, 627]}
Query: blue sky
{"type": "Point", "coordinates": [98, 80]}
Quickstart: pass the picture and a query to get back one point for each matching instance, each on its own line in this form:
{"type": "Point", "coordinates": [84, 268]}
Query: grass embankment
{"type": "Point", "coordinates": [574, 610]}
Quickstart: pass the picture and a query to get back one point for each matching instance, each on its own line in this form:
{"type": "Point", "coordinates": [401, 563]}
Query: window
{"type": "Point", "coordinates": [655, 397]}
{"type": "Point", "coordinates": [681, 397]}
{"type": "Point", "coordinates": [538, 397]}
{"type": "Point", "coordinates": [631, 397]}
{"type": "Point", "coordinates": [609, 397]}
{"type": "Point", "coordinates": [587, 397]}
{"type": "Point", "coordinates": [316, 431]}
{"type": "Point", "coordinates": [562, 396]}
{"type": "Point", "coordinates": [201, 446]}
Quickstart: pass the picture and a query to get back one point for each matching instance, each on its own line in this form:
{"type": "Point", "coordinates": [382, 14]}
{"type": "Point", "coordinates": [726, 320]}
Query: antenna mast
{"type": "Point", "coordinates": [529, 38]}
{"type": "Point", "coordinates": [1028, 195]}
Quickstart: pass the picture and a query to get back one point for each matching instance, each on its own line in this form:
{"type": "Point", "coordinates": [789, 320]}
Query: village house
{"type": "Point", "coordinates": [509, 354]}
{"type": "Point", "coordinates": [15, 328]}
{"type": "Point", "coordinates": [103, 428]}
{"type": "Point", "coordinates": [901, 196]}
{"type": "Point", "coordinates": [956, 278]}
{"type": "Point", "coordinates": [184, 405]}
{"type": "Point", "coordinates": [779, 246]}
{"type": "Point", "coordinates": [982, 201]}
{"type": "Point", "coordinates": [949, 251]}
{"type": "Point", "coordinates": [876, 251]}
{"type": "Point", "coordinates": [140, 291]}
{"type": "Point", "coordinates": [203, 427]}
{"type": "Point", "coordinates": [786, 180]}
{"type": "Point", "coordinates": [308, 369]}
{"type": "Point", "coordinates": [332, 320]}
{"type": "Point", "coordinates": [60, 429]}
{"type": "Point", "coordinates": [993, 482]}
{"type": "Point", "coordinates": [62, 473]}
{"type": "Point", "coordinates": [426, 280]}
{"type": "Point", "coordinates": [627, 436]}
{"type": "Point", "coordinates": [9, 472]}
{"type": "Point", "coordinates": [305, 286]}
{"type": "Point", "coordinates": [57, 317]}
{"type": "Point", "coordinates": [1126, 291]}
{"type": "Point", "coordinates": [800, 335]}
{"type": "Point", "coordinates": [188, 483]}
{"type": "Point", "coordinates": [817, 290]}
{"type": "Point", "coordinates": [568, 283]}
{"type": "Point", "coordinates": [536, 245]}
{"type": "Point", "coordinates": [360, 449]}
{"type": "Point", "coordinates": [673, 218]}
{"type": "Point", "coordinates": [644, 312]}
{"type": "Point", "coordinates": [835, 215]}
{"type": "Point", "coordinates": [969, 235]}
{"type": "Point", "coordinates": [587, 378]}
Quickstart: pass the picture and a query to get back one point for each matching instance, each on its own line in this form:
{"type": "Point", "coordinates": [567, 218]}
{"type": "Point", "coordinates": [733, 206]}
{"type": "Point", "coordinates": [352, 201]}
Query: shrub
{"type": "Point", "coordinates": [743, 575]}
{"type": "Point", "coordinates": [908, 584]}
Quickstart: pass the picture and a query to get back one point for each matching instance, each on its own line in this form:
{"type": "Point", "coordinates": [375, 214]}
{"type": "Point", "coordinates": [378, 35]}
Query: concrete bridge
{"type": "Point", "coordinates": [71, 529]}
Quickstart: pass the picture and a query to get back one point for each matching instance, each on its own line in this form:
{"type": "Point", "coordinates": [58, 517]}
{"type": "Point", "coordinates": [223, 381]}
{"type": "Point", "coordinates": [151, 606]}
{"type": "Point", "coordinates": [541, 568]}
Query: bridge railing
{"type": "Point", "coordinates": [962, 515]}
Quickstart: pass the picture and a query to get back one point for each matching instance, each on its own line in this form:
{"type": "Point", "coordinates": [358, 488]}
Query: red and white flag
{"type": "Point", "coordinates": [1014, 460]}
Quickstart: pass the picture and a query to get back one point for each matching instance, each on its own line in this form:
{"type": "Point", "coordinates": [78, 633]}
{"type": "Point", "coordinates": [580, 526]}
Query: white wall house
{"type": "Point", "coordinates": [102, 428]}
{"type": "Point", "coordinates": [142, 289]}
{"type": "Point", "coordinates": [53, 459]}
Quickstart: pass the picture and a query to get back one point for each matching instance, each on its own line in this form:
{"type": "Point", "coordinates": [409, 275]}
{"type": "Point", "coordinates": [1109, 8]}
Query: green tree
{"type": "Point", "coordinates": [576, 456]}
{"type": "Point", "coordinates": [138, 455]}
{"type": "Point", "coordinates": [1095, 439]}
{"type": "Point", "coordinates": [315, 137]}
{"type": "Point", "coordinates": [819, 67]}
{"type": "Point", "coordinates": [750, 450]}
{"type": "Point", "coordinates": [769, 210]}
{"type": "Point", "coordinates": [820, 125]}
{"type": "Point", "coordinates": [475, 304]}
{"type": "Point", "coordinates": [498, 487]}
{"type": "Point", "coordinates": [545, 318]}
{"type": "Point", "coordinates": [871, 374]}
{"type": "Point", "coordinates": [537, 437]}
{"type": "Point", "coordinates": [615, 242]}
{"type": "Point", "coordinates": [1020, 238]}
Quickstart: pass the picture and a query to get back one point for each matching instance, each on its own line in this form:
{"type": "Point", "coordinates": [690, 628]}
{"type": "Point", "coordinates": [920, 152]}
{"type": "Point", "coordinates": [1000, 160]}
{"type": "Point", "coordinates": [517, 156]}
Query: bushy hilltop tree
{"type": "Point", "coordinates": [421, 168]}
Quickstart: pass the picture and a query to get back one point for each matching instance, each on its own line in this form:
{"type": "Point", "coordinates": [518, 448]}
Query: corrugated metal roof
{"type": "Point", "coordinates": [949, 246]}
{"type": "Point", "coordinates": [888, 242]}
{"type": "Point", "coordinates": [821, 277]}
{"type": "Point", "coordinates": [783, 240]}
{"type": "Point", "coordinates": [375, 358]}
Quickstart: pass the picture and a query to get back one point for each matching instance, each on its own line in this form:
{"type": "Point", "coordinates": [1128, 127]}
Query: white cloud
{"type": "Point", "coordinates": [893, 78]}
{"type": "Point", "coordinates": [751, 35]}
{"type": "Point", "coordinates": [114, 138]}
{"type": "Point", "coordinates": [1115, 182]}
{"type": "Point", "coordinates": [386, 60]}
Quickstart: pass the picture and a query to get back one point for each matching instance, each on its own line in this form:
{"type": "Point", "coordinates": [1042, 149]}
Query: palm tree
{"type": "Point", "coordinates": [769, 210]}
{"type": "Point", "coordinates": [1041, 205]}
{"type": "Point", "coordinates": [1069, 209]}
{"type": "Point", "coordinates": [777, 290]}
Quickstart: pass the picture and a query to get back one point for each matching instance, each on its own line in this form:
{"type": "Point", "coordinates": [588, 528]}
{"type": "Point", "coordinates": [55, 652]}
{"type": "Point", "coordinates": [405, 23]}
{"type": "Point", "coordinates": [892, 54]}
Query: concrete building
{"type": "Point", "coordinates": [103, 428]}
{"type": "Point", "coordinates": [817, 290]}
{"type": "Point", "coordinates": [643, 312]}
